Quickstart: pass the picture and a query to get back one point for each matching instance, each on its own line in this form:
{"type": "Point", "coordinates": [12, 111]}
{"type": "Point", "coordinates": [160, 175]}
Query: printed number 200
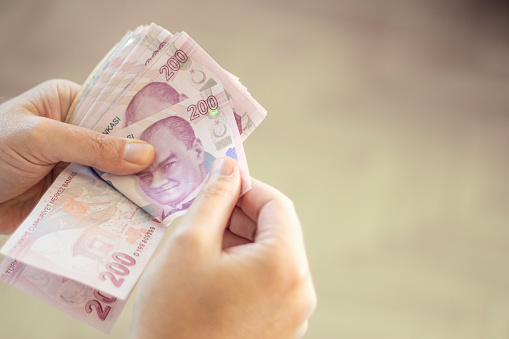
{"type": "Point", "coordinates": [173, 64]}
{"type": "Point", "coordinates": [202, 107]}
{"type": "Point", "coordinates": [102, 313]}
{"type": "Point", "coordinates": [118, 267]}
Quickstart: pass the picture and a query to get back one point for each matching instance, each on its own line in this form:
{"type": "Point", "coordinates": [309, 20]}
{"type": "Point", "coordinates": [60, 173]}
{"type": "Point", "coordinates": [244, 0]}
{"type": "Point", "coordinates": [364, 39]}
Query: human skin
{"type": "Point", "coordinates": [35, 145]}
{"type": "Point", "coordinates": [231, 269]}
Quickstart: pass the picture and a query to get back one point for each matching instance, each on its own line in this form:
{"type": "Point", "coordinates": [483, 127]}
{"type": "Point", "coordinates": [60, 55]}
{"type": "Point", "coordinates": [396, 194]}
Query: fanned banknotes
{"type": "Point", "coordinates": [87, 242]}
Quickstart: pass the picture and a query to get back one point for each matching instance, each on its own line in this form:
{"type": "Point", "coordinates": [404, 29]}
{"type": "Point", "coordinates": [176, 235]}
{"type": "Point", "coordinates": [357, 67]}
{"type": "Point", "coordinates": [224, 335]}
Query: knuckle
{"type": "Point", "coordinates": [301, 294]}
{"type": "Point", "coordinates": [34, 129]}
{"type": "Point", "coordinates": [281, 272]}
{"type": "Point", "coordinates": [186, 241]}
{"type": "Point", "coordinates": [51, 84]}
{"type": "Point", "coordinates": [312, 301]}
{"type": "Point", "coordinates": [282, 201]}
{"type": "Point", "coordinates": [50, 88]}
{"type": "Point", "coordinates": [101, 150]}
{"type": "Point", "coordinates": [219, 187]}
{"type": "Point", "coordinates": [102, 141]}
{"type": "Point", "coordinates": [305, 295]}
{"type": "Point", "coordinates": [293, 277]}
{"type": "Point", "coordinates": [105, 146]}
{"type": "Point", "coordinates": [287, 202]}
{"type": "Point", "coordinates": [34, 132]}
{"type": "Point", "coordinates": [296, 277]}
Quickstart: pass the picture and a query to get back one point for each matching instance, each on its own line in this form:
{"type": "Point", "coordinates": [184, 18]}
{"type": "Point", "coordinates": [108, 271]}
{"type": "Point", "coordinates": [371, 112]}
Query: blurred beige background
{"type": "Point", "coordinates": [388, 125]}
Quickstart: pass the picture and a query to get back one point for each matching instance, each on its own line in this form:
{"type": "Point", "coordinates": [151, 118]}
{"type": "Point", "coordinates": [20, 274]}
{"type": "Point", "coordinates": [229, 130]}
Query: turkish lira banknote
{"type": "Point", "coordinates": [87, 242]}
{"type": "Point", "coordinates": [208, 130]}
{"type": "Point", "coordinates": [80, 301]}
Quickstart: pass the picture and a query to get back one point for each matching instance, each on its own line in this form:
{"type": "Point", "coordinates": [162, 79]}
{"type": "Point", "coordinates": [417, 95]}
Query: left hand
{"type": "Point", "coordinates": [35, 143]}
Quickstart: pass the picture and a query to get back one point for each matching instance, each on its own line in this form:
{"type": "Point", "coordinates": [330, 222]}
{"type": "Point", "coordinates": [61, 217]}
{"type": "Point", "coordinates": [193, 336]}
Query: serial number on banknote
{"type": "Point", "coordinates": [144, 241]}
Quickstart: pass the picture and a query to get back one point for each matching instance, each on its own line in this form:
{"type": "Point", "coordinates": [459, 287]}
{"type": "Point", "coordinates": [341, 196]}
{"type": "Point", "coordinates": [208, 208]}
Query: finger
{"type": "Point", "coordinates": [273, 212]}
{"type": "Point", "coordinates": [278, 227]}
{"type": "Point", "coordinates": [242, 225]}
{"type": "Point", "coordinates": [203, 226]}
{"type": "Point", "coordinates": [55, 141]}
{"type": "Point", "coordinates": [231, 240]}
{"type": "Point", "coordinates": [51, 98]}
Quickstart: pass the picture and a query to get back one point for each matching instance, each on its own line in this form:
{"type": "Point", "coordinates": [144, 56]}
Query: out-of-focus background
{"type": "Point", "coordinates": [388, 125]}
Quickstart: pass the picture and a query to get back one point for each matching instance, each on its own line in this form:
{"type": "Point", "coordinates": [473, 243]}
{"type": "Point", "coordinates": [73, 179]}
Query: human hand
{"type": "Point", "coordinates": [200, 287]}
{"type": "Point", "coordinates": [34, 143]}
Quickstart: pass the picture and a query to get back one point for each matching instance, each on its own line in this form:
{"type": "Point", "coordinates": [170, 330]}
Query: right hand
{"type": "Point", "coordinates": [200, 287]}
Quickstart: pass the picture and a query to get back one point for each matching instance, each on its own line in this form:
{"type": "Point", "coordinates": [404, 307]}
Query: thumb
{"type": "Point", "coordinates": [203, 226]}
{"type": "Point", "coordinates": [56, 141]}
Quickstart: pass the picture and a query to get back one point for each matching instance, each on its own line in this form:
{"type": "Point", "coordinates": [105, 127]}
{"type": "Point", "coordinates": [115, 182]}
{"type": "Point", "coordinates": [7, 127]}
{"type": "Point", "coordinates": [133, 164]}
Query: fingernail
{"type": "Point", "coordinates": [137, 153]}
{"type": "Point", "coordinates": [222, 167]}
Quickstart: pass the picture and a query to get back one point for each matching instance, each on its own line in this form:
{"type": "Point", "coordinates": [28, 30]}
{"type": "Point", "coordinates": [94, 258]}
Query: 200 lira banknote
{"type": "Point", "coordinates": [86, 236]}
{"type": "Point", "coordinates": [187, 138]}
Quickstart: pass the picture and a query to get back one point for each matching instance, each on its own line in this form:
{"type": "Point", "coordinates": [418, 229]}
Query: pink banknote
{"type": "Point", "coordinates": [190, 71]}
{"type": "Point", "coordinates": [80, 301]}
{"type": "Point", "coordinates": [121, 76]}
{"type": "Point", "coordinates": [187, 138]}
{"type": "Point", "coordinates": [125, 46]}
{"type": "Point", "coordinates": [72, 116]}
{"type": "Point", "coordinates": [245, 107]}
{"type": "Point", "coordinates": [85, 230]}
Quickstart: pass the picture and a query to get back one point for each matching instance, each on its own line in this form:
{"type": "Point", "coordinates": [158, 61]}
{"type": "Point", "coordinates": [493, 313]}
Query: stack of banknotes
{"type": "Point", "coordinates": [86, 243]}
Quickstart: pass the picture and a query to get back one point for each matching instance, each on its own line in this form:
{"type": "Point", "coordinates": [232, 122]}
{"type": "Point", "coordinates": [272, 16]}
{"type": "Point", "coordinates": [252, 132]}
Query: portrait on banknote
{"type": "Point", "coordinates": [178, 169]}
{"type": "Point", "coordinates": [152, 98]}
{"type": "Point", "coordinates": [173, 179]}
{"type": "Point", "coordinates": [187, 138]}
